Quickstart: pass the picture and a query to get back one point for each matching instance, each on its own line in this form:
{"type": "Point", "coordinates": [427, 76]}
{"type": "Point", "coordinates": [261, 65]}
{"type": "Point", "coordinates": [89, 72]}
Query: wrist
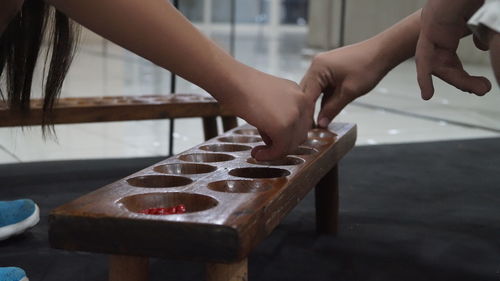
{"type": "Point", "coordinates": [398, 43]}
{"type": "Point", "coordinates": [382, 58]}
{"type": "Point", "coordinates": [228, 81]}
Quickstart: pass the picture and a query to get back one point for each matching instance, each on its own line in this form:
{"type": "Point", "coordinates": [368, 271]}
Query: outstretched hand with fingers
{"type": "Point", "coordinates": [342, 75]}
{"type": "Point", "coordinates": [443, 24]}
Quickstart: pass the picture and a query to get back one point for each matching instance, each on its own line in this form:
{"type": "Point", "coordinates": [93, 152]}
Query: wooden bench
{"type": "Point", "coordinates": [232, 203]}
{"type": "Point", "coordinates": [124, 108]}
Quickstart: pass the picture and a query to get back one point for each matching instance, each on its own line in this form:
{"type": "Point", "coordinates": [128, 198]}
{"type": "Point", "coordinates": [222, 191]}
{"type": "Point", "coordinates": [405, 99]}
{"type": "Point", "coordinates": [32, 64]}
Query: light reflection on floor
{"type": "Point", "coordinates": [392, 113]}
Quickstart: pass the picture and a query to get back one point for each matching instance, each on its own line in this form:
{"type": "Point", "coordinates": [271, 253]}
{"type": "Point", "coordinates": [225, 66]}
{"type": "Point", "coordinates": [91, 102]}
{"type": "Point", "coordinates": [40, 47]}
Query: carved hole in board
{"type": "Point", "coordinates": [240, 186]}
{"type": "Point", "coordinates": [320, 134]}
{"type": "Point", "coordinates": [149, 96]}
{"type": "Point", "coordinates": [186, 97]}
{"type": "Point", "coordinates": [36, 103]}
{"type": "Point", "coordinates": [286, 161]}
{"type": "Point", "coordinates": [248, 132]}
{"type": "Point", "coordinates": [302, 150]}
{"type": "Point", "coordinates": [159, 181]}
{"type": "Point", "coordinates": [62, 103]}
{"type": "Point", "coordinates": [225, 147]}
{"type": "Point", "coordinates": [316, 142]}
{"type": "Point", "coordinates": [193, 202]}
{"type": "Point", "coordinates": [102, 102]}
{"type": "Point", "coordinates": [206, 157]}
{"type": "Point", "coordinates": [83, 102]}
{"type": "Point", "coordinates": [121, 99]}
{"type": "Point", "coordinates": [240, 139]}
{"type": "Point", "coordinates": [130, 101]}
{"type": "Point", "coordinates": [184, 169]}
{"type": "Point", "coordinates": [192, 97]}
{"type": "Point", "coordinates": [259, 173]}
{"type": "Point", "coordinates": [162, 100]}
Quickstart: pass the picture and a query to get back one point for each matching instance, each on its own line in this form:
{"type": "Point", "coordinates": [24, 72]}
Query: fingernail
{"type": "Point", "coordinates": [487, 85]}
{"type": "Point", "coordinates": [323, 122]}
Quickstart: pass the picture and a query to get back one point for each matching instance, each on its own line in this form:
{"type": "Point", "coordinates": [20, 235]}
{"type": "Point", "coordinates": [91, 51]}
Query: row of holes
{"type": "Point", "coordinates": [199, 202]}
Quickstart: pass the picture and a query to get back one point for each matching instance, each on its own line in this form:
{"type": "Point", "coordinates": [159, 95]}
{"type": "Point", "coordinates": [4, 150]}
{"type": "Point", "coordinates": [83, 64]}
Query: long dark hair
{"type": "Point", "coordinates": [20, 47]}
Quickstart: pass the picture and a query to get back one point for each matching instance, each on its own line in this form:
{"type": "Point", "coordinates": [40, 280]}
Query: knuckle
{"type": "Point", "coordinates": [319, 59]}
{"type": "Point", "coordinates": [348, 90]}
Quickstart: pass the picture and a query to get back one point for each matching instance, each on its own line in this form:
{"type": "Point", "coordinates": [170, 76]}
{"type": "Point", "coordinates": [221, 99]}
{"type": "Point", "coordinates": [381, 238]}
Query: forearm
{"type": "Point", "coordinates": [396, 44]}
{"type": "Point", "coordinates": [494, 46]}
{"type": "Point", "coordinates": [155, 30]}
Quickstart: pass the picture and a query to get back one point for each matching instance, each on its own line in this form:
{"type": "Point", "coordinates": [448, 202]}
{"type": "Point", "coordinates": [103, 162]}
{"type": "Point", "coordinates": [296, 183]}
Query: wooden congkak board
{"type": "Point", "coordinates": [115, 108]}
{"type": "Point", "coordinates": [232, 202]}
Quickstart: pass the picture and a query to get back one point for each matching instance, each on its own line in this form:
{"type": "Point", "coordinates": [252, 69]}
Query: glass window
{"type": "Point", "coordinates": [294, 11]}
{"type": "Point", "coordinates": [246, 11]}
{"type": "Point", "coordinates": [192, 9]}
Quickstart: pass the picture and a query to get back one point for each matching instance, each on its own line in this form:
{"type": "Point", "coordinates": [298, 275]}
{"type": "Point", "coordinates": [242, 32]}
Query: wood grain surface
{"type": "Point", "coordinates": [128, 268]}
{"type": "Point", "coordinates": [237, 271]}
{"type": "Point", "coordinates": [233, 202]}
{"type": "Point", "coordinates": [115, 108]}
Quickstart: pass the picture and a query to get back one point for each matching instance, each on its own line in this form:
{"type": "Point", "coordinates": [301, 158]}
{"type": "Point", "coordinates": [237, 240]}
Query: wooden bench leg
{"type": "Point", "coordinates": [229, 122]}
{"type": "Point", "coordinates": [128, 268]}
{"type": "Point", "coordinates": [210, 127]}
{"type": "Point", "coordinates": [227, 272]}
{"type": "Point", "coordinates": [327, 203]}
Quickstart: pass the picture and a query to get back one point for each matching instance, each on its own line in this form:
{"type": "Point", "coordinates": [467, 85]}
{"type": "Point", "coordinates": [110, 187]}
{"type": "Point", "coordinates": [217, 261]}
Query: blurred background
{"type": "Point", "coordinates": [278, 37]}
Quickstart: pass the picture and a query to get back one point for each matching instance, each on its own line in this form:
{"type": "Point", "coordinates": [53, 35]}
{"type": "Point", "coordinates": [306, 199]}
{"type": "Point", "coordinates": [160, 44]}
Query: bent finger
{"type": "Point", "coordinates": [423, 62]}
{"type": "Point", "coordinates": [461, 80]}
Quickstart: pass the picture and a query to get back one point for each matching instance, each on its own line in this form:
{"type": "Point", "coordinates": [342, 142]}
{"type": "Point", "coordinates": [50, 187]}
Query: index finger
{"type": "Point", "coordinates": [310, 85]}
{"type": "Point", "coordinates": [423, 55]}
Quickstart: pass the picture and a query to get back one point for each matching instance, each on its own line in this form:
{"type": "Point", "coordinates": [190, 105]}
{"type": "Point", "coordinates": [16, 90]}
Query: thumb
{"type": "Point", "coordinates": [332, 107]}
{"type": "Point", "coordinates": [479, 44]}
{"type": "Point", "coordinates": [424, 79]}
{"type": "Point", "coordinates": [423, 62]}
{"type": "Point", "coordinates": [311, 86]}
{"type": "Point", "coordinates": [460, 79]}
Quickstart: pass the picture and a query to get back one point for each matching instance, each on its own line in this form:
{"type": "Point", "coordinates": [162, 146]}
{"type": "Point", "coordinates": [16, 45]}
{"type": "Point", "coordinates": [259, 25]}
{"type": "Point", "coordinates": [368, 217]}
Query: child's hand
{"type": "Point", "coordinates": [278, 108]}
{"type": "Point", "coordinates": [494, 47]}
{"type": "Point", "coordinates": [342, 75]}
{"type": "Point", "coordinates": [443, 24]}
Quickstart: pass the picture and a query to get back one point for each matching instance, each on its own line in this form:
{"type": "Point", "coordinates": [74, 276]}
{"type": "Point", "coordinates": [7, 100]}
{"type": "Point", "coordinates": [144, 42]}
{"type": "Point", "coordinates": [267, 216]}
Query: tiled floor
{"type": "Point", "coordinates": [392, 113]}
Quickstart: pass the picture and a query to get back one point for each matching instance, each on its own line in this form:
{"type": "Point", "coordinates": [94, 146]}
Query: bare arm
{"type": "Point", "coordinates": [155, 30]}
{"type": "Point", "coordinates": [398, 43]}
{"type": "Point", "coordinates": [494, 47]}
{"type": "Point", "coordinates": [345, 74]}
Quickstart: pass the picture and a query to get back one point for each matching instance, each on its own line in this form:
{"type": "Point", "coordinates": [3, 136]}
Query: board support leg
{"type": "Point", "coordinates": [327, 203]}
{"type": "Point", "coordinates": [128, 268]}
{"type": "Point", "coordinates": [227, 272]}
{"type": "Point", "coordinates": [210, 127]}
{"type": "Point", "coordinates": [229, 122]}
